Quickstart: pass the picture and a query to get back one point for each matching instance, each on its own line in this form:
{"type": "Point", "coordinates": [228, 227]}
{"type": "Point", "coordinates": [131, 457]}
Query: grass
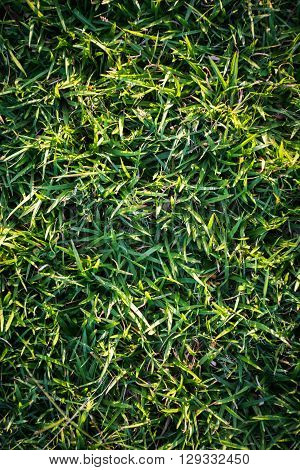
{"type": "Point", "coordinates": [148, 224]}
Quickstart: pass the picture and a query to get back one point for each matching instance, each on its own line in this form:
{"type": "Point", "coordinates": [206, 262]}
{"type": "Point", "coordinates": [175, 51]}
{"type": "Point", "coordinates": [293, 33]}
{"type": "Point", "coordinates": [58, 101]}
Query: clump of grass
{"type": "Point", "coordinates": [148, 224]}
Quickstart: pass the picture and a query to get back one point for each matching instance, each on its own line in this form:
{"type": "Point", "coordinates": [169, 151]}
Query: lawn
{"type": "Point", "coordinates": [148, 224]}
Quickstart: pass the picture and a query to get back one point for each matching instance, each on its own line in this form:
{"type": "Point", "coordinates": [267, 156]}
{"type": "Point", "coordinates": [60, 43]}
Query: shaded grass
{"type": "Point", "coordinates": [149, 232]}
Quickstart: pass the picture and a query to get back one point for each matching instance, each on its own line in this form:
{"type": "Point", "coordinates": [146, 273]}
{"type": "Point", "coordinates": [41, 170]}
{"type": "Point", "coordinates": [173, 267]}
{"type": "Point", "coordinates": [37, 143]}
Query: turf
{"type": "Point", "coordinates": [148, 224]}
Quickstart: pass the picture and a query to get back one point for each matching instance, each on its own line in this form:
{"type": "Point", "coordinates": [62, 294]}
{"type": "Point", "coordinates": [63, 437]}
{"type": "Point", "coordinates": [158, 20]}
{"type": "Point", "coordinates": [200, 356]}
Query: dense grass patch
{"type": "Point", "coordinates": [148, 224]}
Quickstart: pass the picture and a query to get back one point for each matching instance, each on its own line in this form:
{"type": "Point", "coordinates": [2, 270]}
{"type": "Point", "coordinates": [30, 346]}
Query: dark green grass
{"type": "Point", "coordinates": [148, 224]}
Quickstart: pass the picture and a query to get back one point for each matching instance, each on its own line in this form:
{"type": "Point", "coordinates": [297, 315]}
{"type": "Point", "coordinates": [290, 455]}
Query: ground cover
{"type": "Point", "coordinates": [148, 224]}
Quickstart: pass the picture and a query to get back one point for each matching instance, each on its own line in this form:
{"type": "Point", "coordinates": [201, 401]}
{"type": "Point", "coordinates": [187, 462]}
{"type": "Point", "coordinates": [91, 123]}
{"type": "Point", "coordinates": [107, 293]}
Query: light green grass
{"type": "Point", "coordinates": [148, 224]}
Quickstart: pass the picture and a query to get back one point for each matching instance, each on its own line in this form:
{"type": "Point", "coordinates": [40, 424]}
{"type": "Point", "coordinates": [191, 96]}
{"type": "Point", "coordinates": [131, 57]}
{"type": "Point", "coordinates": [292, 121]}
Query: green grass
{"type": "Point", "coordinates": [148, 224]}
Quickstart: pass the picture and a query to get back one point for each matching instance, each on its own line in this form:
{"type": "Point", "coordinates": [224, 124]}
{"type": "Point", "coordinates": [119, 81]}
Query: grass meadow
{"type": "Point", "coordinates": [149, 224]}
